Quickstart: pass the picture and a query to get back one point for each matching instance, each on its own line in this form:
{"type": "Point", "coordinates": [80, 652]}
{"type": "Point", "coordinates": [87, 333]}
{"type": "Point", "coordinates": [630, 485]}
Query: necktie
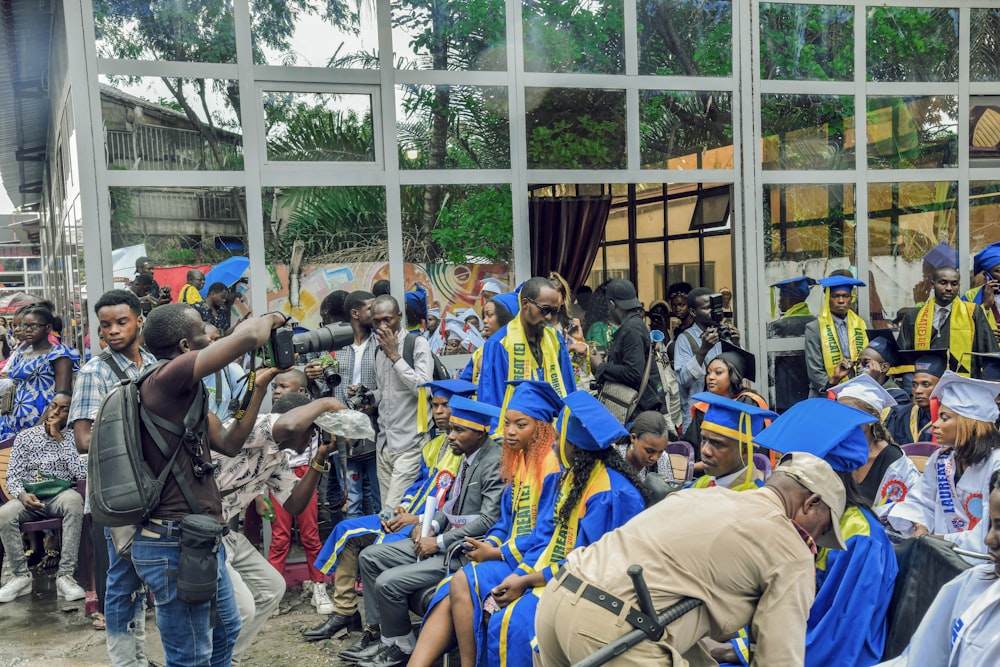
{"type": "Point", "coordinates": [454, 498]}
{"type": "Point", "coordinates": [941, 317]}
{"type": "Point", "coordinates": [842, 337]}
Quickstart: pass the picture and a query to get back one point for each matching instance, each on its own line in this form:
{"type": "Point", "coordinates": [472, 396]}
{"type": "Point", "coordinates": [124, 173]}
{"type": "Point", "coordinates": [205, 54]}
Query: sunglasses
{"type": "Point", "coordinates": [547, 311]}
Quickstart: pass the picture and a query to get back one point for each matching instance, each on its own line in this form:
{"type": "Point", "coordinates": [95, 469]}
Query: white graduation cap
{"type": "Point", "coordinates": [434, 312]}
{"type": "Point", "coordinates": [975, 399]}
{"type": "Point", "coordinates": [467, 313]}
{"type": "Point", "coordinates": [863, 388]}
{"type": "Point", "coordinates": [492, 285]}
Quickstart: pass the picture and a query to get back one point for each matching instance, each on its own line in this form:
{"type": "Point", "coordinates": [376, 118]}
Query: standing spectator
{"type": "Point", "coordinates": [191, 291]}
{"type": "Point", "coordinates": [215, 309]}
{"type": "Point", "coordinates": [680, 307]}
{"type": "Point", "coordinates": [986, 264]}
{"type": "Point", "coordinates": [42, 468]}
{"type": "Point", "coordinates": [39, 369]}
{"type": "Point", "coordinates": [398, 442]}
{"type": "Point", "coordinates": [628, 358]}
{"type": "Point", "coordinates": [835, 340]}
{"type": "Point", "coordinates": [144, 267]}
{"type": "Point", "coordinates": [598, 319]}
{"type": "Point", "coordinates": [142, 287]}
{"type": "Point", "coordinates": [528, 348]}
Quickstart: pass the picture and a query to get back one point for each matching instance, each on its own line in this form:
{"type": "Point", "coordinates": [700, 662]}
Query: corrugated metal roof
{"type": "Point", "coordinates": [24, 103]}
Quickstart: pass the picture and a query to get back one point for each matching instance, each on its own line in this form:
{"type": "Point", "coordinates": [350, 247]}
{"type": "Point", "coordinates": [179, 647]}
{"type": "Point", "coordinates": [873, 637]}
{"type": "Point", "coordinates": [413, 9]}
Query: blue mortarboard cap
{"type": "Point", "coordinates": [449, 388]}
{"type": "Point", "coordinates": [587, 424]}
{"type": "Point", "coordinates": [535, 399]}
{"type": "Point", "coordinates": [416, 299]}
{"type": "Point", "coordinates": [823, 428]}
{"type": "Point", "coordinates": [931, 362]}
{"type": "Point", "coordinates": [740, 421]}
{"type": "Point", "coordinates": [986, 258]}
{"type": "Point", "coordinates": [509, 300]}
{"type": "Point", "coordinates": [795, 287]}
{"type": "Point", "coordinates": [942, 256]}
{"type": "Point", "coordinates": [472, 414]}
{"type": "Point", "coordinates": [884, 342]}
{"type": "Point", "coordinates": [842, 282]}
{"type": "Point", "coordinates": [991, 365]}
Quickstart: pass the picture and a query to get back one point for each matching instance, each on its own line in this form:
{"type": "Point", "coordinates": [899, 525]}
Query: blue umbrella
{"type": "Point", "coordinates": [228, 271]}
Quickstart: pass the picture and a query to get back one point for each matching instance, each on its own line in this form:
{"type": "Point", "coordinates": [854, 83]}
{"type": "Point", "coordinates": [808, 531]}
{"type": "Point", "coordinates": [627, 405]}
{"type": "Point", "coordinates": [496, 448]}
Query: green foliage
{"type": "Point", "coordinates": [912, 44]}
{"type": "Point", "coordinates": [306, 133]}
{"type": "Point", "coordinates": [676, 123]}
{"type": "Point", "coordinates": [574, 36]}
{"type": "Point", "coordinates": [685, 37]}
{"type": "Point", "coordinates": [476, 227]}
{"type": "Point", "coordinates": [807, 42]}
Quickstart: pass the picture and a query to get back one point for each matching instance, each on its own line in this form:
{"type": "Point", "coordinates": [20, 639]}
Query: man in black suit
{"type": "Point", "coordinates": [391, 572]}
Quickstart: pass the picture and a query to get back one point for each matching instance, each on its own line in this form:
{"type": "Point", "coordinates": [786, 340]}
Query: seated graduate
{"type": "Point", "coordinates": [438, 467]}
{"type": "Point", "coordinates": [888, 474]}
{"type": "Point", "coordinates": [962, 626]}
{"type": "Point", "coordinates": [881, 361]}
{"type": "Point", "coordinates": [847, 621]}
{"type": "Point", "coordinates": [726, 443]}
{"type": "Point", "coordinates": [949, 499]}
{"type": "Point", "coordinates": [649, 436]}
{"type": "Point", "coordinates": [912, 423]}
{"type": "Point", "coordinates": [527, 459]}
{"type": "Point", "coordinates": [595, 493]}
{"type": "Point", "coordinates": [498, 311]}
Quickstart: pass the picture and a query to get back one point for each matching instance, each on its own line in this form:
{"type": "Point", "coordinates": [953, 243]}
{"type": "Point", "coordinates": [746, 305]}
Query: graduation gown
{"type": "Point", "coordinates": [982, 336]}
{"type": "Point", "coordinates": [962, 626]}
{"type": "Point", "coordinates": [889, 480]}
{"type": "Point", "coordinates": [909, 423]}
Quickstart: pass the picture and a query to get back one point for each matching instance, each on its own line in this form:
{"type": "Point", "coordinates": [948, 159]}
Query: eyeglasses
{"type": "Point", "coordinates": [547, 311]}
{"type": "Point", "coordinates": [32, 327]}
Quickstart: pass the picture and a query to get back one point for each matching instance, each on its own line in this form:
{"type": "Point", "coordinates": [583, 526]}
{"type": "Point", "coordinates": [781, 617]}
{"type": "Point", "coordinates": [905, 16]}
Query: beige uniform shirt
{"type": "Point", "coordinates": [735, 551]}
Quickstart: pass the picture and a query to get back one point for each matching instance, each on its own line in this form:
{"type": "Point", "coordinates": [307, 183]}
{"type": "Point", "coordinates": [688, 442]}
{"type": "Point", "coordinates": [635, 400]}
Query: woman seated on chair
{"type": "Point", "coordinates": [950, 499]}
{"type": "Point", "coordinates": [727, 432]}
{"type": "Point", "coordinates": [644, 451]}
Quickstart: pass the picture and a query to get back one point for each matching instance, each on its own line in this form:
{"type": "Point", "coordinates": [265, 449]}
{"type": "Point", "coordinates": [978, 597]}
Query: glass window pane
{"type": "Point", "coordinates": [906, 221]}
{"type": "Point", "coordinates": [161, 124]}
{"type": "Point", "coordinates": [318, 127]}
{"type": "Point", "coordinates": [686, 130]}
{"type": "Point", "coordinates": [344, 238]}
{"type": "Point", "coordinates": [808, 131]}
{"type": "Point", "coordinates": [306, 34]}
{"type": "Point", "coordinates": [912, 132]}
{"type": "Point", "coordinates": [912, 44]}
{"type": "Point", "coordinates": [453, 127]}
{"type": "Point", "coordinates": [181, 31]}
{"type": "Point", "coordinates": [685, 37]}
{"type": "Point", "coordinates": [985, 52]}
{"type": "Point", "coordinates": [575, 128]}
{"type": "Point", "coordinates": [984, 219]}
{"type": "Point", "coordinates": [574, 36]}
{"type": "Point", "coordinates": [650, 220]}
{"type": "Point", "coordinates": [807, 42]}
{"type": "Point", "coordinates": [453, 35]}
{"type": "Point", "coordinates": [984, 130]}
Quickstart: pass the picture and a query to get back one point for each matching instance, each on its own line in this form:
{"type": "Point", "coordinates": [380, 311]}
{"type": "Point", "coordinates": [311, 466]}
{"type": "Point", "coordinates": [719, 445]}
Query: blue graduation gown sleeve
{"type": "Point", "coordinates": [466, 373]}
{"type": "Point", "coordinates": [514, 550]}
{"type": "Point", "coordinates": [500, 532]}
{"type": "Point", "coordinates": [566, 367]}
{"type": "Point", "coordinates": [493, 376]}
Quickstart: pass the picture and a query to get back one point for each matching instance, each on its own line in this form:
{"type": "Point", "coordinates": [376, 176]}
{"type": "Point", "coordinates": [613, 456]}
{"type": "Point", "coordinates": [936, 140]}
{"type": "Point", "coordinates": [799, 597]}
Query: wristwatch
{"type": "Point", "coordinates": [324, 467]}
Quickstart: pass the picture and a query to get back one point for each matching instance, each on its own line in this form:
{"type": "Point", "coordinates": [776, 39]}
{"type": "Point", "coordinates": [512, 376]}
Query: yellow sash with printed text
{"type": "Point", "coordinates": [960, 331]}
{"type": "Point", "coordinates": [857, 336]}
{"type": "Point", "coordinates": [521, 362]}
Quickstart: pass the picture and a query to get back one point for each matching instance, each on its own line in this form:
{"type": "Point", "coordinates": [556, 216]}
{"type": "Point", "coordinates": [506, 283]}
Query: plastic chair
{"type": "Point", "coordinates": [762, 463]}
{"type": "Point", "coordinates": [919, 452]}
{"type": "Point", "coordinates": [83, 560]}
{"type": "Point", "coordinates": [681, 457]}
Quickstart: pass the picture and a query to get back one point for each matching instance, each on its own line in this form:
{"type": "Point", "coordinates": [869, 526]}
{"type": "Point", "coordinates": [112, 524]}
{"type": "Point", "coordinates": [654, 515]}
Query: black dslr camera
{"type": "Point", "coordinates": [284, 343]}
{"type": "Point", "coordinates": [715, 302]}
{"type": "Point", "coordinates": [363, 397]}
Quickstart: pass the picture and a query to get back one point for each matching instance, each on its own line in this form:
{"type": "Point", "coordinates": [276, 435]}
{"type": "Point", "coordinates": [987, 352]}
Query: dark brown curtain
{"type": "Point", "coordinates": [566, 233]}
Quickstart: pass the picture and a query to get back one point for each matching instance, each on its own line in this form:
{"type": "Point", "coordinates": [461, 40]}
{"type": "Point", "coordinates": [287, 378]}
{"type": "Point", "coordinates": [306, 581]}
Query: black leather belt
{"type": "Point", "coordinates": [162, 527]}
{"type": "Point", "coordinates": [591, 593]}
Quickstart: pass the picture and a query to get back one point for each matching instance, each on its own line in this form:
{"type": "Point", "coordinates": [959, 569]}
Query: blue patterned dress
{"type": "Point", "coordinates": [36, 384]}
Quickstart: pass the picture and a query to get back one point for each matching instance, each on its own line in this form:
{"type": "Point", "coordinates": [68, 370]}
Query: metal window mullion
{"type": "Point", "coordinates": [963, 213]}
{"type": "Point", "coordinates": [390, 153]}
{"type": "Point", "coordinates": [632, 129]}
{"type": "Point", "coordinates": [861, 245]}
{"type": "Point", "coordinates": [521, 239]}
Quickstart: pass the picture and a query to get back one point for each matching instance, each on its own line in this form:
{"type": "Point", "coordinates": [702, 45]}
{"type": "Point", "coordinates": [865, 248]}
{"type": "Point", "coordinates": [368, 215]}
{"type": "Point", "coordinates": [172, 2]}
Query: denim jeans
{"type": "Point", "coordinates": [363, 497]}
{"type": "Point", "coordinates": [186, 630]}
{"type": "Point", "coordinates": [124, 610]}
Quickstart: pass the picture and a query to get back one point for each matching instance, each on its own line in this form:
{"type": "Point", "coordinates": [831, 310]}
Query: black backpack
{"type": "Point", "coordinates": [440, 370]}
{"type": "Point", "coordinates": [121, 486]}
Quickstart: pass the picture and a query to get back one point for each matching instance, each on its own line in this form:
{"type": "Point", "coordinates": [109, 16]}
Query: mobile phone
{"type": "Point", "coordinates": [490, 605]}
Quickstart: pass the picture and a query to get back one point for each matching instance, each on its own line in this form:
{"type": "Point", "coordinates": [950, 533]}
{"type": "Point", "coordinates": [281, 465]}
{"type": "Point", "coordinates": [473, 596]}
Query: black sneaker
{"type": "Point", "coordinates": [365, 648]}
{"type": "Point", "coordinates": [334, 623]}
{"type": "Point", "coordinates": [392, 656]}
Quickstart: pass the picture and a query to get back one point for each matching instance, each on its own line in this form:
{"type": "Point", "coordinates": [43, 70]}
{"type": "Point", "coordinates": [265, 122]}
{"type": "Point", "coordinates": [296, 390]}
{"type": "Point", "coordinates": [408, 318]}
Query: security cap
{"type": "Point", "coordinates": [817, 476]}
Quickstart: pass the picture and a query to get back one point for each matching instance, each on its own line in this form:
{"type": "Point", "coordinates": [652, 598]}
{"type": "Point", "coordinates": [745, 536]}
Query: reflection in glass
{"type": "Point", "coordinates": [912, 132]}
{"type": "Point", "coordinates": [153, 123]}
{"type": "Point", "coordinates": [807, 131]}
{"type": "Point", "coordinates": [318, 127]}
{"type": "Point", "coordinates": [453, 35]}
{"type": "Point", "coordinates": [806, 42]}
{"type": "Point", "coordinates": [453, 127]}
{"type": "Point", "coordinates": [810, 224]}
{"type": "Point", "coordinates": [984, 57]}
{"type": "Point", "coordinates": [905, 222]}
{"type": "Point", "coordinates": [308, 34]}
{"type": "Point", "coordinates": [180, 225]}
{"type": "Point", "coordinates": [685, 37]}
{"type": "Point", "coordinates": [912, 44]}
{"type": "Point", "coordinates": [575, 128]}
{"type": "Point", "coordinates": [984, 218]}
{"type": "Point", "coordinates": [984, 130]}
{"type": "Point", "coordinates": [457, 223]}
{"type": "Point", "coordinates": [574, 36]}
{"type": "Point", "coordinates": [696, 127]}
{"type": "Point", "coordinates": [181, 31]}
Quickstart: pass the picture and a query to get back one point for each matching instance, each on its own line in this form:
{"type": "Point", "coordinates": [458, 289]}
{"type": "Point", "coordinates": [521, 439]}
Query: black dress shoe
{"type": "Point", "coordinates": [364, 649]}
{"type": "Point", "coordinates": [334, 623]}
{"type": "Point", "coordinates": [390, 657]}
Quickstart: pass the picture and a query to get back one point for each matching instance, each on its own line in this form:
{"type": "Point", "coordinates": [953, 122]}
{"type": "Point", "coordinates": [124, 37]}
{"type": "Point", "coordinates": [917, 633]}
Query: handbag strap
{"type": "Point", "coordinates": [645, 375]}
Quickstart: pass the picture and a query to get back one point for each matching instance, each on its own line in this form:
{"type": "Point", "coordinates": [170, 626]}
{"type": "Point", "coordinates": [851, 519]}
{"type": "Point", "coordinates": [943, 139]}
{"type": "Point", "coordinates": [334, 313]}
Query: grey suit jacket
{"type": "Point", "coordinates": [480, 493]}
{"type": "Point", "coordinates": [818, 379]}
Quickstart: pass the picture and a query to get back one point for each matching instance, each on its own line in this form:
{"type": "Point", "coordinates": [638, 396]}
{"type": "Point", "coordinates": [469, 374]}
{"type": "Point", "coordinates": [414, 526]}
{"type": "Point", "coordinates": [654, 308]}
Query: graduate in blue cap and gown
{"type": "Point", "coordinates": [438, 467]}
{"type": "Point", "coordinates": [528, 458]}
{"type": "Point", "coordinates": [847, 621]}
{"type": "Point", "coordinates": [498, 311]}
{"type": "Point", "coordinates": [791, 377]}
{"type": "Point", "coordinates": [834, 341]}
{"type": "Point", "coordinates": [912, 423]}
{"type": "Point", "coordinates": [986, 264]}
{"type": "Point", "coordinates": [727, 432]}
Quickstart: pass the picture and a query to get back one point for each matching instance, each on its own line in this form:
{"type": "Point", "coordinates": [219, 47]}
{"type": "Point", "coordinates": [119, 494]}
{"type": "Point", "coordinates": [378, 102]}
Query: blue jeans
{"type": "Point", "coordinates": [124, 611]}
{"type": "Point", "coordinates": [363, 496]}
{"type": "Point", "coordinates": [186, 630]}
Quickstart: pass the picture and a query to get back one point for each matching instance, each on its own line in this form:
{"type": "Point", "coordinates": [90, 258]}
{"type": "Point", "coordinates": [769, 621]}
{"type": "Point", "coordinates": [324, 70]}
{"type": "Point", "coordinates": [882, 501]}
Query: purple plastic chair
{"type": "Point", "coordinates": [919, 452]}
{"type": "Point", "coordinates": [677, 453]}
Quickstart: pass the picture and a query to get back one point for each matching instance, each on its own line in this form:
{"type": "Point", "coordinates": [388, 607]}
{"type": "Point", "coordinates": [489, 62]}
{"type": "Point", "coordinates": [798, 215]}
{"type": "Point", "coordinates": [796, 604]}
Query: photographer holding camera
{"type": "Point", "coordinates": [698, 345]}
{"type": "Point", "coordinates": [351, 379]}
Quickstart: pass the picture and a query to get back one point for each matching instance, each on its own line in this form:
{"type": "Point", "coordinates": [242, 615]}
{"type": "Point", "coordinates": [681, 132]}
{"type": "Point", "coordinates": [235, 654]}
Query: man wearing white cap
{"type": "Point", "coordinates": [752, 563]}
{"type": "Point", "coordinates": [950, 499]}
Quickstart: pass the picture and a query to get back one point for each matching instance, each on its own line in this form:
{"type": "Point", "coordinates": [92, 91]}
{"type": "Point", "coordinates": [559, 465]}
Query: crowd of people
{"type": "Point", "coordinates": [503, 507]}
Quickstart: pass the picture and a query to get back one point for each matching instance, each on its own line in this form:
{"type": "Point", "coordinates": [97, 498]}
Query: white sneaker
{"type": "Point", "coordinates": [15, 588]}
{"type": "Point", "coordinates": [68, 588]}
{"type": "Point", "coordinates": [321, 600]}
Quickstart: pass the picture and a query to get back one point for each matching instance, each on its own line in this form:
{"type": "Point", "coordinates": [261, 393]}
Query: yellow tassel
{"type": "Point", "coordinates": [563, 459]}
{"type": "Point", "coordinates": [772, 302]}
{"type": "Point", "coordinates": [745, 432]}
{"type": "Point", "coordinates": [423, 418]}
{"type": "Point", "coordinates": [508, 392]}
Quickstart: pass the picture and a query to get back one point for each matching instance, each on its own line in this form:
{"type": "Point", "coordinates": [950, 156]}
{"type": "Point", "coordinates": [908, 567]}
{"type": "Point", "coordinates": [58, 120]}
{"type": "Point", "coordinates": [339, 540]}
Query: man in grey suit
{"type": "Point", "coordinates": [392, 572]}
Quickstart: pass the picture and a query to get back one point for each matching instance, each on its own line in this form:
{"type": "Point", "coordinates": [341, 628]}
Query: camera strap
{"type": "Point", "coordinates": [245, 403]}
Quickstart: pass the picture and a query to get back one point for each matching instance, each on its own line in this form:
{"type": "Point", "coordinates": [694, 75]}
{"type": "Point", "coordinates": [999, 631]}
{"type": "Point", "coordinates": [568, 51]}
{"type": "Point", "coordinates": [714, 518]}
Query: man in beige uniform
{"type": "Point", "coordinates": [747, 555]}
